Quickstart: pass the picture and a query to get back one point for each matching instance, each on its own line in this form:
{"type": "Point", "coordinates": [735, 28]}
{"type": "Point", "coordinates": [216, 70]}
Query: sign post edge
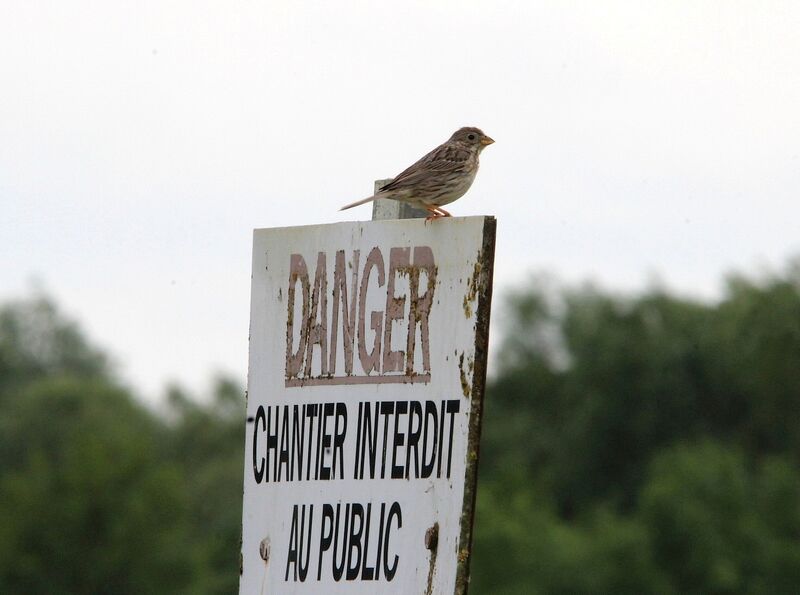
{"type": "Point", "coordinates": [483, 314]}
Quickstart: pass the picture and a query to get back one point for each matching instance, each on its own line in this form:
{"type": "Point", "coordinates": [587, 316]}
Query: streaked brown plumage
{"type": "Point", "coordinates": [442, 176]}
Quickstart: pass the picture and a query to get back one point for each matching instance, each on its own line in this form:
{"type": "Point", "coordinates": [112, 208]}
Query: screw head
{"type": "Point", "coordinates": [263, 549]}
{"type": "Point", "coordinates": [432, 537]}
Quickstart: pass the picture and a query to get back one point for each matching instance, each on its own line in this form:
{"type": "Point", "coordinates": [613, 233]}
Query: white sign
{"type": "Point", "coordinates": [367, 366]}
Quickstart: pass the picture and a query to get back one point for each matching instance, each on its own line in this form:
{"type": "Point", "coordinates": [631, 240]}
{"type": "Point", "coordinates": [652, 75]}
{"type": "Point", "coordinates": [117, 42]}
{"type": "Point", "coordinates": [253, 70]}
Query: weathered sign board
{"type": "Point", "coordinates": [368, 344]}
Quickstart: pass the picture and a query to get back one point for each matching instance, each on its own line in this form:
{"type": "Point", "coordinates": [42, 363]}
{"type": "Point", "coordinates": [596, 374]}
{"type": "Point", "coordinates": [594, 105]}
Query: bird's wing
{"type": "Point", "coordinates": [442, 159]}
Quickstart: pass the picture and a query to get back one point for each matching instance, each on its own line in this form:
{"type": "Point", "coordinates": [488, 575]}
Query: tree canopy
{"type": "Point", "coordinates": [643, 444]}
{"type": "Point", "coordinates": [636, 444]}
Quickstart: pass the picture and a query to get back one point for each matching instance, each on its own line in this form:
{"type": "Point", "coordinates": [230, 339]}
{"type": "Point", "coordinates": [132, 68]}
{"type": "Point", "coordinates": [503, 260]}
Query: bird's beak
{"type": "Point", "coordinates": [486, 141]}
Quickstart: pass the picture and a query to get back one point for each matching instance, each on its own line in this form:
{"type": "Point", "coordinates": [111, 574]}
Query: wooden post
{"type": "Point", "coordinates": [386, 208]}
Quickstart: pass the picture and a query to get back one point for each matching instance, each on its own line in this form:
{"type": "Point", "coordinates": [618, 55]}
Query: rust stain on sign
{"type": "Point", "coordinates": [465, 373]}
{"type": "Point", "coordinates": [432, 544]}
{"type": "Point", "coordinates": [464, 384]}
{"type": "Point", "coordinates": [473, 286]}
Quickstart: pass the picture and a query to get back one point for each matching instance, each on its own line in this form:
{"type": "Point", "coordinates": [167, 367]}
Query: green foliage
{"type": "Point", "coordinates": [524, 548]}
{"type": "Point", "coordinates": [643, 445]}
{"type": "Point", "coordinates": [631, 445]}
{"type": "Point", "coordinates": [36, 342]}
{"type": "Point", "coordinates": [98, 494]}
{"type": "Point", "coordinates": [207, 442]}
{"type": "Point", "coordinates": [712, 520]}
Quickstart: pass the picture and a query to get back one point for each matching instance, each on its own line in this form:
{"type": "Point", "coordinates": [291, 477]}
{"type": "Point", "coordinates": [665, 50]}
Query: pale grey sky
{"type": "Point", "coordinates": [140, 143]}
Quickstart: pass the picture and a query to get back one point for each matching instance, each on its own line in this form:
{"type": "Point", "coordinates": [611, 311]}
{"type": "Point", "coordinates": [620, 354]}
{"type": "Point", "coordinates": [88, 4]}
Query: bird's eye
{"type": "Point", "coordinates": [471, 137]}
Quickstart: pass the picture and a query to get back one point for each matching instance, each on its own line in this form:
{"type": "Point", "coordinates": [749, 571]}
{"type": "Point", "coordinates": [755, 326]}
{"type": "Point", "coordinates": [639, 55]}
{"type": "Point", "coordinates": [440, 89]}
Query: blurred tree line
{"type": "Point", "coordinates": [99, 495]}
{"type": "Point", "coordinates": [631, 445]}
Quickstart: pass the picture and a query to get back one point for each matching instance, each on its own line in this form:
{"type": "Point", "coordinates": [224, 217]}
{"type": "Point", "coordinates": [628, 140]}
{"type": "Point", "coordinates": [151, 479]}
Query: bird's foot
{"type": "Point", "coordinates": [436, 213]}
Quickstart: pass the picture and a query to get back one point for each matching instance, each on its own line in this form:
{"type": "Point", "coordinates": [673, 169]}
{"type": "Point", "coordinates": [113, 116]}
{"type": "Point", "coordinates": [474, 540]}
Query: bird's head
{"type": "Point", "coordinates": [471, 137]}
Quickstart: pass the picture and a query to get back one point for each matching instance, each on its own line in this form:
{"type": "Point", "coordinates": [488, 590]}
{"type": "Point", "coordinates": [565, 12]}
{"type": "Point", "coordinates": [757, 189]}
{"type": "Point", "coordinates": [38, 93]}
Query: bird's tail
{"type": "Point", "coordinates": [359, 202]}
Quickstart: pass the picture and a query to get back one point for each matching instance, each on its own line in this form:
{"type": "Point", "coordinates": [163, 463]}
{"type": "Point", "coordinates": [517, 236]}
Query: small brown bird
{"type": "Point", "coordinates": [442, 176]}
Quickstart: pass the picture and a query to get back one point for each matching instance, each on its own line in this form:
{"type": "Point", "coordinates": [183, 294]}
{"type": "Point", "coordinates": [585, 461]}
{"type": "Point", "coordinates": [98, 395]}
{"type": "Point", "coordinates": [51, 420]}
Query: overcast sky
{"type": "Point", "coordinates": [141, 142]}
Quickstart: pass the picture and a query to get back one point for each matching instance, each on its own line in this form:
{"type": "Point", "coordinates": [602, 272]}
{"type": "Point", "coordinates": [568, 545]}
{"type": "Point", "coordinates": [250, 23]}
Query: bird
{"type": "Point", "coordinates": [440, 177]}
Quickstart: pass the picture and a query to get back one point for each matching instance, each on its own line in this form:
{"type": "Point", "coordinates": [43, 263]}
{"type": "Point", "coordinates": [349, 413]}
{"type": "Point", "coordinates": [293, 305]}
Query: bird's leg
{"type": "Point", "coordinates": [443, 212]}
{"type": "Point", "coordinates": [434, 214]}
